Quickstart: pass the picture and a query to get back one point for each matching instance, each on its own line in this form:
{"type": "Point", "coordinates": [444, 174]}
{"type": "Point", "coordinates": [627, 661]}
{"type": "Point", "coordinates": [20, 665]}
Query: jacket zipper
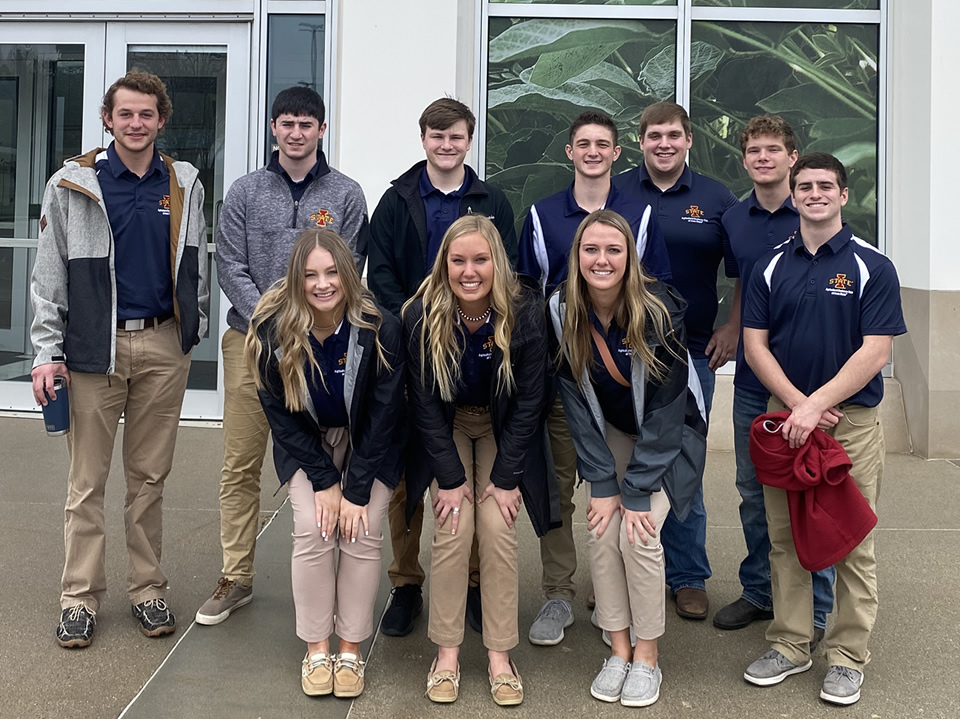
{"type": "Point", "coordinates": [296, 206]}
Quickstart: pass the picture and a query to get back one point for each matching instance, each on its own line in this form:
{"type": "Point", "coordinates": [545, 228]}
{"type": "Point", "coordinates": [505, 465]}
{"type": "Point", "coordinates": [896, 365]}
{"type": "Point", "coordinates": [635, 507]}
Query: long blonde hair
{"type": "Point", "coordinates": [439, 322]}
{"type": "Point", "coordinates": [285, 303]}
{"type": "Point", "coordinates": [637, 310]}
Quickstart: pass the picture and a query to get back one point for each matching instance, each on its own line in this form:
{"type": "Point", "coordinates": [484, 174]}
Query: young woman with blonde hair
{"type": "Point", "coordinates": [636, 418]}
{"type": "Point", "coordinates": [330, 374]}
{"type": "Point", "coordinates": [475, 341]}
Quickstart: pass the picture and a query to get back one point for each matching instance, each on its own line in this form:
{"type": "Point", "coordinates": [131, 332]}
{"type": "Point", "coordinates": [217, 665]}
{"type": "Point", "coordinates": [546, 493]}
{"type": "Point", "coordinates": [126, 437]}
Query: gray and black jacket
{"type": "Point", "coordinates": [375, 406]}
{"type": "Point", "coordinates": [671, 447]}
{"type": "Point", "coordinates": [260, 221]}
{"type": "Point", "coordinates": [74, 288]}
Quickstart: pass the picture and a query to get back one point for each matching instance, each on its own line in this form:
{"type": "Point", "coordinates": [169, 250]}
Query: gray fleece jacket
{"type": "Point", "coordinates": [74, 288]}
{"type": "Point", "coordinates": [260, 221]}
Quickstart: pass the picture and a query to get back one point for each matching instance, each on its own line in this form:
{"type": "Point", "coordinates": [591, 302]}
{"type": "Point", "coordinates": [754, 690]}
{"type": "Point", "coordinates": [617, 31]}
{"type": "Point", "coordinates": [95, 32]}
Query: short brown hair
{"type": "Point", "coordinates": [819, 161]}
{"type": "Point", "coordinates": [660, 113]}
{"type": "Point", "coordinates": [445, 112]}
{"type": "Point", "coordinates": [594, 117]}
{"type": "Point", "coordinates": [772, 125]}
{"type": "Point", "coordinates": [138, 81]}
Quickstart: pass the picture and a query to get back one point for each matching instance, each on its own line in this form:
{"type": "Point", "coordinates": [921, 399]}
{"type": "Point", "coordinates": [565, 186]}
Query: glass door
{"type": "Point", "coordinates": [206, 70]}
{"type": "Point", "coordinates": [51, 78]}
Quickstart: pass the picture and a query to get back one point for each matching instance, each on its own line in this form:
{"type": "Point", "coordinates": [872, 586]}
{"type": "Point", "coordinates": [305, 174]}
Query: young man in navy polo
{"type": "Point", "coordinates": [755, 226]}
{"type": "Point", "coordinates": [819, 319]}
{"type": "Point", "coordinates": [544, 249]}
{"type": "Point", "coordinates": [689, 207]}
{"type": "Point", "coordinates": [405, 234]}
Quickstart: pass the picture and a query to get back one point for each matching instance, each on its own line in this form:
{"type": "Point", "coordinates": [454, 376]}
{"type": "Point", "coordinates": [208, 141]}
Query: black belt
{"type": "Point", "coordinates": [472, 409]}
{"type": "Point", "coordinates": [143, 324]}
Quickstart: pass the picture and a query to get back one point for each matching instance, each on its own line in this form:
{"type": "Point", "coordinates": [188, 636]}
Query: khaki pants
{"type": "Point", "coordinates": [629, 581]}
{"type": "Point", "coordinates": [405, 566]}
{"type": "Point", "coordinates": [334, 595]}
{"type": "Point", "coordinates": [497, 545]}
{"type": "Point", "coordinates": [861, 435]}
{"type": "Point", "coordinates": [558, 552]}
{"type": "Point", "coordinates": [245, 432]}
{"type": "Point", "coordinates": [147, 388]}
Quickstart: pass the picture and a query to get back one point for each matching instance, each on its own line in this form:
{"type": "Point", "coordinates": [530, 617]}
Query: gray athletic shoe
{"type": "Point", "coordinates": [642, 687]}
{"type": "Point", "coordinates": [772, 668]}
{"type": "Point", "coordinates": [229, 595]}
{"type": "Point", "coordinates": [841, 685]}
{"type": "Point", "coordinates": [608, 684]}
{"type": "Point", "coordinates": [547, 629]}
{"type": "Point", "coordinates": [605, 635]}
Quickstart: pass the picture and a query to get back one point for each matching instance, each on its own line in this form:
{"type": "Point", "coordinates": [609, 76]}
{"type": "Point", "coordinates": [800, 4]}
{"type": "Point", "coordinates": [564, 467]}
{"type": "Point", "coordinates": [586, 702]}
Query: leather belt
{"type": "Point", "coordinates": [143, 324]}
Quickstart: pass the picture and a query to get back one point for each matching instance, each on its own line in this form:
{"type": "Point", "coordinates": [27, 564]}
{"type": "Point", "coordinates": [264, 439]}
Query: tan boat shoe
{"type": "Point", "coordinates": [507, 689]}
{"type": "Point", "coordinates": [316, 674]}
{"type": "Point", "coordinates": [443, 687]}
{"type": "Point", "coordinates": [348, 675]}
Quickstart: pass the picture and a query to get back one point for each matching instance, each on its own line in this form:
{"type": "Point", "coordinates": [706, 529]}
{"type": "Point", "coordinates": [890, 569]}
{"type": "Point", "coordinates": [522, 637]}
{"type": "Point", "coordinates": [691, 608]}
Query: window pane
{"type": "Point", "coordinates": [784, 4]}
{"type": "Point", "coordinates": [545, 72]}
{"type": "Point", "coordinates": [821, 78]}
{"type": "Point", "coordinates": [41, 110]}
{"type": "Point", "coordinates": [294, 57]}
{"type": "Point", "coordinates": [587, 2]}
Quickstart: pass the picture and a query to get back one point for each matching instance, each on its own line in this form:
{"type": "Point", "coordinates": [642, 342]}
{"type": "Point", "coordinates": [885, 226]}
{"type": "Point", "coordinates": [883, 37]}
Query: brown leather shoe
{"type": "Point", "coordinates": [692, 603]}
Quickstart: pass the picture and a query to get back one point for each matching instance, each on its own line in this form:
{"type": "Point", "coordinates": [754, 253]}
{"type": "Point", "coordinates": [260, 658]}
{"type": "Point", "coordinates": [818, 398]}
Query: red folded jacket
{"type": "Point", "coordinates": [828, 514]}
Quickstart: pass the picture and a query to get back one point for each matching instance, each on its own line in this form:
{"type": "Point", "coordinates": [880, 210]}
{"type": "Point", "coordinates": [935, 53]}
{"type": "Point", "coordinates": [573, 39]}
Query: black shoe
{"type": "Point", "coordinates": [76, 627]}
{"type": "Point", "coordinates": [474, 609]}
{"type": "Point", "coordinates": [818, 633]}
{"type": "Point", "coordinates": [739, 614]}
{"type": "Point", "coordinates": [154, 617]}
{"type": "Point", "coordinates": [406, 606]}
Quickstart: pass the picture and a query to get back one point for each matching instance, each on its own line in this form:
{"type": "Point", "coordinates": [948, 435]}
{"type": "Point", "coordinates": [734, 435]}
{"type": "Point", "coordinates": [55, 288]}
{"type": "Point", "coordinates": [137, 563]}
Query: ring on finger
{"type": "Point", "coordinates": [456, 510]}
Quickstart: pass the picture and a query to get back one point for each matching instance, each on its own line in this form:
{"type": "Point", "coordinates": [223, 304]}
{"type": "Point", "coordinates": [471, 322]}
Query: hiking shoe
{"type": "Point", "coordinates": [772, 668]}
{"type": "Point", "coordinates": [154, 617]}
{"type": "Point", "coordinates": [228, 595]}
{"type": "Point", "coordinates": [316, 674]}
{"type": "Point", "coordinates": [348, 675]}
{"type": "Point", "coordinates": [76, 627]}
{"type": "Point", "coordinates": [605, 635]}
{"type": "Point", "coordinates": [474, 609]}
{"type": "Point", "coordinates": [818, 633]}
{"type": "Point", "coordinates": [642, 687]}
{"type": "Point", "coordinates": [554, 616]}
{"type": "Point", "coordinates": [406, 606]}
{"type": "Point", "coordinates": [608, 684]}
{"type": "Point", "coordinates": [841, 685]}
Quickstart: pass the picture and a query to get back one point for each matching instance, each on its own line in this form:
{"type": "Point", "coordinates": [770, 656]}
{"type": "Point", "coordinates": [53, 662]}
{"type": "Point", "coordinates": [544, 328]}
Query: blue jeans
{"type": "Point", "coordinates": [685, 543]}
{"type": "Point", "coordinates": [755, 568]}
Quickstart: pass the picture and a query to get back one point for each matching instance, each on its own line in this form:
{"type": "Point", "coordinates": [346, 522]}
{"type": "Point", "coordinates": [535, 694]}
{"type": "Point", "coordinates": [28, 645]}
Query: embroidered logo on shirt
{"type": "Point", "coordinates": [487, 349]}
{"type": "Point", "coordinates": [341, 365]}
{"type": "Point", "coordinates": [694, 214]}
{"type": "Point", "coordinates": [322, 218]}
{"type": "Point", "coordinates": [625, 347]}
{"type": "Point", "coordinates": [840, 285]}
{"type": "Point", "coordinates": [164, 205]}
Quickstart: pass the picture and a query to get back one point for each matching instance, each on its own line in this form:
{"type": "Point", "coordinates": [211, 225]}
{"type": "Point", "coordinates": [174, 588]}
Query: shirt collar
{"type": "Point", "coordinates": [117, 167]}
{"type": "Point", "coordinates": [426, 187]}
{"type": "Point", "coordinates": [319, 168]}
{"type": "Point", "coordinates": [754, 205]}
{"type": "Point", "coordinates": [572, 207]}
{"type": "Point", "coordinates": [685, 179]}
{"type": "Point", "coordinates": [835, 243]}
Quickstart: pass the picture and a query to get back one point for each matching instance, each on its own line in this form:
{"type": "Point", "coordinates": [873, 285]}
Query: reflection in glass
{"type": "Point", "coordinates": [588, 2]}
{"type": "Point", "coordinates": [784, 4]}
{"type": "Point", "coordinates": [291, 39]}
{"type": "Point", "coordinates": [545, 72]}
{"type": "Point", "coordinates": [40, 126]}
{"type": "Point", "coordinates": [196, 79]}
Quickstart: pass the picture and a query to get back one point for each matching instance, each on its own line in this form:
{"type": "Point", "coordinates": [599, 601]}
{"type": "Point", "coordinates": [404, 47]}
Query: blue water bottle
{"type": "Point", "coordinates": [56, 413]}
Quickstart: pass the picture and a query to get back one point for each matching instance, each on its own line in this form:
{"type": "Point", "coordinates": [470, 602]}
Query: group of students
{"type": "Point", "coordinates": [489, 374]}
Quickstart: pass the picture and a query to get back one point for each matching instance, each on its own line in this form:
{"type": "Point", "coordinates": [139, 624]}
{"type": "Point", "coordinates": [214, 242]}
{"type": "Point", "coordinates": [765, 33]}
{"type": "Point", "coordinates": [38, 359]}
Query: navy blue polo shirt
{"type": "Point", "coordinates": [476, 365]}
{"type": "Point", "coordinates": [298, 188]}
{"type": "Point", "coordinates": [139, 213]}
{"type": "Point", "coordinates": [329, 402]}
{"type": "Point", "coordinates": [753, 232]}
{"type": "Point", "coordinates": [690, 215]}
{"type": "Point", "coordinates": [441, 209]}
{"type": "Point", "coordinates": [552, 222]}
{"type": "Point", "coordinates": [616, 401]}
{"type": "Point", "coordinates": [817, 308]}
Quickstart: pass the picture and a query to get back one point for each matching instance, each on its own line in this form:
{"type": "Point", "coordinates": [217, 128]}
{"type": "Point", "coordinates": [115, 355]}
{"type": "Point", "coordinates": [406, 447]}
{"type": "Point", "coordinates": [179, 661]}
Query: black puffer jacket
{"type": "Point", "coordinates": [517, 417]}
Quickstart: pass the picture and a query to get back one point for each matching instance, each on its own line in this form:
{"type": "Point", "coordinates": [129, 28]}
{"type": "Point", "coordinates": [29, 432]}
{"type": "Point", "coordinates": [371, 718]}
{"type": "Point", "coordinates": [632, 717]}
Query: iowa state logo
{"type": "Point", "coordinates": [322, 218]}
{"type": "Point", "coordinates": [840, 285]}
{"type": "Point", "coordinates": [694, 214]}
{"type": "Point", "coordinates": [164, 205]}
{"type": "Point", "coordinates": [625, 347]}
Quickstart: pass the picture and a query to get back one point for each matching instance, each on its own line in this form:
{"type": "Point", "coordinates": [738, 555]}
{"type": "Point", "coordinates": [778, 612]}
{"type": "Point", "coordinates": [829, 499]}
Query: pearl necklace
{"type": "Point", "coordinates": [480, 318]}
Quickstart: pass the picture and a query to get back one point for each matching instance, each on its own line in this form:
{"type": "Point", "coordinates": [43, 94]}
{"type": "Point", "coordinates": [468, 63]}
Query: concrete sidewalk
{"type": "Point", "coordinates": [249, 666]}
